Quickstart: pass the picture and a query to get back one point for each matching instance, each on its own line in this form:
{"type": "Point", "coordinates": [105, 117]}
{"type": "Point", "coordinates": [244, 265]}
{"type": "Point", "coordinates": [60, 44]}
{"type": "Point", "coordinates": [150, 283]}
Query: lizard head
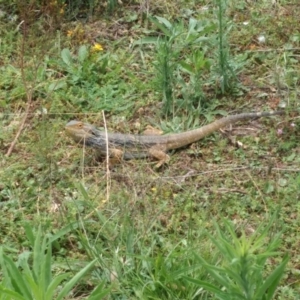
{"type": "Point", "coordinates": [81, 132]}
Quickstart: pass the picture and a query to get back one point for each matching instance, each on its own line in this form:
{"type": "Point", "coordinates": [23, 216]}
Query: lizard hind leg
{"type": "Point", "coordinates": [160, 154]}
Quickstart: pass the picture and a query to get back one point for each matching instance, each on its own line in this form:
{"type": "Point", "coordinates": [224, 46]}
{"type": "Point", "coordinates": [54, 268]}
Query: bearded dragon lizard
{"type": "Point", "coordinates": [129, 146]}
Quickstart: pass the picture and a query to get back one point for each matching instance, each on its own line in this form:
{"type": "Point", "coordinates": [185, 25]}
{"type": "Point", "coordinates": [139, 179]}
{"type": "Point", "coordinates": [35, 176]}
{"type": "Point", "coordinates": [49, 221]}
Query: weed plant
{"type": "Point", "coordinates": [226, 72]}
{"type": "Point", "coordinates": [31, 276]}
{"type": "Point", "coordinates": [206, 61]}
{"type": "Point", "coordinates": [173, 69]}
{"type": "Point", "coordinates": [241, 275]}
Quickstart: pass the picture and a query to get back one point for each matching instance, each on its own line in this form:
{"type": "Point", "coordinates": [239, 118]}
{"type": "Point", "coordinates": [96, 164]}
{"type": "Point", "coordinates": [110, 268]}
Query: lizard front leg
{"type": "Point", "coordinates": [115, 156]}
{"type": "Point", "coordinates": [159, 152]}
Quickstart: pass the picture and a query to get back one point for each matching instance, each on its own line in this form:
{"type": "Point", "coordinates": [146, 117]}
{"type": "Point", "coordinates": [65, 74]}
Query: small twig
{"type": "Point", "coordinates": [82, 160]}
{"type": "Point", "coordinates": [224, 170]}
{"type": "Point", "coordinates": [275, 50]}
{"type": "Point", "coordinates": [108, 178]}
{"type": "Point", "coordinates": [27, 90]}
{"type": "Point", "coordinates": [258, 190]}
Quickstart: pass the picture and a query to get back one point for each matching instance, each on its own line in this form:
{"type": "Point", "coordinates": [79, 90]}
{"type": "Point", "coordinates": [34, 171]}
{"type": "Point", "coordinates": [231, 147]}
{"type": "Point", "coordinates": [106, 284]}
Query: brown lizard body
{"type": "Point", "coordinates": [129, 146]}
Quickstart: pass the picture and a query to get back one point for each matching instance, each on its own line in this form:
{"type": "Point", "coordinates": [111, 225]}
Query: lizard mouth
{"type": "Point", "coordinates": [80, 132]}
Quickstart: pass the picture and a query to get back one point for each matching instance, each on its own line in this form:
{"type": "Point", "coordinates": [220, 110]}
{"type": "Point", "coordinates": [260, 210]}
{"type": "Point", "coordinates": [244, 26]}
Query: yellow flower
{"type": "Point", "coordinates": [69, 33]}
{"type": "Point", "coordinates": [97, 47]}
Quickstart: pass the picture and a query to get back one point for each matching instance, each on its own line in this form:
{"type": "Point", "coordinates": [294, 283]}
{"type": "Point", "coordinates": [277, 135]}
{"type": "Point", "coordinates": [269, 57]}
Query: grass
{"type": "Point", "coordinates": [150, 233]}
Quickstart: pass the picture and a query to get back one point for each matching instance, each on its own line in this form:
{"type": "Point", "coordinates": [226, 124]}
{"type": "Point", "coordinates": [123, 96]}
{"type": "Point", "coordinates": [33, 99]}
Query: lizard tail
{"type": "Point", "coordinates": [182, 139]}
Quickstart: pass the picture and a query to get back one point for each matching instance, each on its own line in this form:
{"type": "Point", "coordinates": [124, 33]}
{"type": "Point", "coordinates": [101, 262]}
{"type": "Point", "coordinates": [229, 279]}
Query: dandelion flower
{"type": "Point", "coordinates": [97, 47]}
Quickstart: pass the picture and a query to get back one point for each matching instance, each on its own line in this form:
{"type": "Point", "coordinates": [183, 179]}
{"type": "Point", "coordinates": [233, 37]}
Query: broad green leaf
{"type": "Point", "coordinates": [83, 191]}
{"type": "Point", "coordinates": [201, 39]}
{"type": "Point", "coordinates": [35, 288]}
{"type": "Point", "coordinates": [15, 70]}
{"type": "Point", "coordinates": [40, 74]}
{"type": "Point", "coordinates": [29, 234]}
{"type": "Point", "coordinates": [192, 24]}
{"type": "Point", "coordinates": [223, 245]}
{"type": "Point", "coordinates": [214, 271]}
{"type": "Point", "coordinates": [54, 284]}
{"type": "Point", "coordinates": [99, 292]}
{"type": "Point", "coordinates": [234, 275]}
{"type": "Point", "coordinates": [83, 53]}
{"type": "Point", "coordinates": [268, 288]}
{"type": "Point", "coordinates": [220, 112]}
{"type": "Point", "coordinates": [57, 85]}
{"type": "Point", "coordinates": [4, 270]}
{"type": "Point", "coordinates": [47, 272]}
{"type": "Point", "coordinates": [187, 270]}
{"type": "Point", "coordinates": [3, 103]}
{"type": "Point", "coordinates": [63, 231]}
{"type": "Point", "coordinates": [163, 28]}
{"type": "Point", "coordinates": [165, 22]}
{"type": "Point", "coordinates": [25, 265]}
{"type": "Point", "coordinates": [209, 287]}
{"type": "Point", "coordinates": [17, 278]}
{"type": "Point", "coordinates": [38, 253]}
{"type": "Point", "coordinates": [66, 56]}
{"type": "Point", "coordinates": [14, 295]}
{"type": "Point", "coordinates": [69, 285]}
{"type": "Point", "coordinates": [147, 40]}
{"type": "Point", "coordinates": [187, 67]}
